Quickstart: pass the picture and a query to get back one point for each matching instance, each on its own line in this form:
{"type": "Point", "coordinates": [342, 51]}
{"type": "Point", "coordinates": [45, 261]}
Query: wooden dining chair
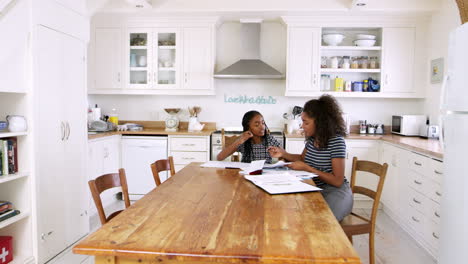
{"type": "Point", "coordinates": [228, 140]}
{"type": "Point", "coordinates": [162, 165]}
{"type": "Point", "coordinates": [355, 224]}
{"type": "Point", "coordinates": [105, 182]}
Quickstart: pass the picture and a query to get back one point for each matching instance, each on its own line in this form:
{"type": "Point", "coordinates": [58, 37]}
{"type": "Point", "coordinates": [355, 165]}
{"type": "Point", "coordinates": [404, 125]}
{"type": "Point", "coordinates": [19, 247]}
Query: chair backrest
{"type": "Point", "coordinates": [228, 140]}
{"type": "Point", "coordinates": [162, 165]}
{"type": "Point", "coordinates": [105, 182]}
{"type": "Point", "coordinates": [379, 170]}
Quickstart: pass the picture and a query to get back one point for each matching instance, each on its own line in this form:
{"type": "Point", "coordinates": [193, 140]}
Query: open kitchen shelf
{"type": "Point", "coordinates": [12, 134]}
{"type": "Point", "coordinates": [12, 177]}
{"type": "Point", "coordinates": [350, 48]}
{"type": "Point", "coordinates": [14, 219]}
{"type": "Point", "coordinates": [326, 70]}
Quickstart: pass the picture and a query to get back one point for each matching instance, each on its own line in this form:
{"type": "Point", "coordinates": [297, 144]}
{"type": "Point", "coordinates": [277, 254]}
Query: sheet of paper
{"type": "Point", "coordinates": [225, 164]}
{"type": "Point", "coordinates": [296, 173]}
{"type": "Point", "coordinates": [278, 164]}
{"type": "Point", "coordinates": [254, 166]}
{"type": "Point", "coordinates": [281, 183]}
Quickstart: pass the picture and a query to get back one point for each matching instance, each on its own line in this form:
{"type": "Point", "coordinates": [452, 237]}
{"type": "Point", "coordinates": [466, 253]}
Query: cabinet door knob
{"type": "Point", "coordinates": [417, 182]}
{"type": "Point", "coordinates": [415, 219]}
{"type": "Point", "coordinates": [417, 163]}
{"type": "Point", "coordinates": [416, 201]}
{"type": "Point", "coordinates": [436, 214]}
{"type": "Point", "coordinates": [438, 172]}
{"type": "Point", "coordinates": [435, 236]}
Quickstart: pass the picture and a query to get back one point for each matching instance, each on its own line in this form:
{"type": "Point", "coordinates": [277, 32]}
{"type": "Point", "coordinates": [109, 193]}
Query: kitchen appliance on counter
{"type": "Point", "coordinates": [407, 125]}
{"type": "Point", "coordinates": [172, 121]}
{"type": "Point", "coordinates": [216, 146]}
{"type": "Point", "coordinates": [429, 131]}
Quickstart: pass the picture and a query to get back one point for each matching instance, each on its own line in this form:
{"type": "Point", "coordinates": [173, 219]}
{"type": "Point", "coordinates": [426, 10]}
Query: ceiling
{"type": "Point", "coordinates": [220, 7]}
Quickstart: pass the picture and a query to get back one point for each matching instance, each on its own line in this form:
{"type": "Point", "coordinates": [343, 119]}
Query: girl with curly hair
{"type": "Point", "coordinates": [324, 153]}
{"type": "Point", "coordinates": [254, 142]}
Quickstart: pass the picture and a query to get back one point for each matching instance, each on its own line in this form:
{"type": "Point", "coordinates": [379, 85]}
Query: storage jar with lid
{"type": "Point", "coordinates": [354, 63]}
{"type": "Point", "coordinates": [373, 64]}
{"type": "Point", "coordinates": [364, 62]}
{"type": "Point", "coordinates": [323, 63]}
{"type": "Point", "coordinates": [345, 64]}
{"type": "Point", "coordinates": [325, 82]}
{"type": "Point", "coordinates": [334, 62]}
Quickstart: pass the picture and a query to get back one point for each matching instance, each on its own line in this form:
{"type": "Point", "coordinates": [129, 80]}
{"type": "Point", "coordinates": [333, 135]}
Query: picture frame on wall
{"type": "Point", "coordinates": [437, 70]}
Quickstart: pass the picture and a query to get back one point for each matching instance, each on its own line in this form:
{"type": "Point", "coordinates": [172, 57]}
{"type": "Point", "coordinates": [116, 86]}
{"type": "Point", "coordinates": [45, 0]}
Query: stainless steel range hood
{"type": "Point", "coordinates": [250, 66]}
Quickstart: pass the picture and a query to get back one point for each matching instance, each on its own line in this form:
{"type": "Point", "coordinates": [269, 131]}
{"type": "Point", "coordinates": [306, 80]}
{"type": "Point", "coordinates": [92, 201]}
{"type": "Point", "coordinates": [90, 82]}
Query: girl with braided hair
{"type": "Point", "coordinates": [253, 142]}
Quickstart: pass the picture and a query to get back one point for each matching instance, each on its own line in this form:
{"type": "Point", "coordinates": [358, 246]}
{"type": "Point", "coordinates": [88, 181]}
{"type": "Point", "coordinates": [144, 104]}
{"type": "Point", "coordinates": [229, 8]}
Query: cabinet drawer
{"type": "Point", "coordinates": [181, 157]}
{"type": "Point", "coordinates": [437, 171]}
{"type": "Point", "coordinates": [433, 212]}
{"type": "Point", "coordinates": [417, 201]}
{"type": "Point", "coordinates": [419, 164]}
{"type": "Point", "coordinates": [433, 191]}
{"type": "Point", "coordinates": [189, 144]}
{"type": "Point", "coordinates": [431, 234]}
{"type": "Point", "coordinates": [415, 220]}
{"type": "Point", "coordinates": [417, 181]}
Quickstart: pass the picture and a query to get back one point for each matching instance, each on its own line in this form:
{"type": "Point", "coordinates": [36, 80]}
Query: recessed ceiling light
{"type": "Point", "coordinates": [361, 4]}
{"type": "Point", "coordinates": [139, 6]}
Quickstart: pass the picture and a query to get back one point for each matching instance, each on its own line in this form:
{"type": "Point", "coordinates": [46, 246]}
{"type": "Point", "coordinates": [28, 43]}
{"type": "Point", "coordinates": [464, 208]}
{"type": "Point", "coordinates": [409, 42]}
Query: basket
{"type": "Point", "coordinates": [463, 9]}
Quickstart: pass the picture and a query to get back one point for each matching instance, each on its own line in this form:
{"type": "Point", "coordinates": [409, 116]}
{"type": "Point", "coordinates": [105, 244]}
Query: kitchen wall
{"type": "Point", "coordinates": [218, 109]}
{"type": "Point", "coordinates": [442, 23]}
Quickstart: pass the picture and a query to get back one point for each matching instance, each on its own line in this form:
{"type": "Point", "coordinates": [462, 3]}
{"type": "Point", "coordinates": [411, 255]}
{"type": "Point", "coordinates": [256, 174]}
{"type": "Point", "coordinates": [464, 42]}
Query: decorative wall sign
{"type": "Point", "coordinates": [245, 99]}
{"type": "Point", "coordinates": [437, 70]}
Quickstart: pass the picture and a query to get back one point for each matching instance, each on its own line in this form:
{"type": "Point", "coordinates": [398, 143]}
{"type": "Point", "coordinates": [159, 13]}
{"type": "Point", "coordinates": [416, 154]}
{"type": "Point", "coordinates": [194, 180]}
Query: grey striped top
{"type": "Point", "coordinates": [321, 159]}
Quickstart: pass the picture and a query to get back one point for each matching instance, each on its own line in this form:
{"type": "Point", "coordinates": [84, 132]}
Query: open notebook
{"type": "Point", "coordinates": [281, 183]}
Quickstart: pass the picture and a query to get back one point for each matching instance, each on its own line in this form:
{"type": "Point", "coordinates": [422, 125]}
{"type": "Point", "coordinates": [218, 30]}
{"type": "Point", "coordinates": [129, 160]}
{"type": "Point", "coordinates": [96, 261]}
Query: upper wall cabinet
{"type": "Point", "coordinates": [302, 65]}
{"type": "Point", "coordinates": [354, 61]}
{"type": "Point", "coordinates": [398, 57]}
{"type": "Point", "coordinates": [168, 58]}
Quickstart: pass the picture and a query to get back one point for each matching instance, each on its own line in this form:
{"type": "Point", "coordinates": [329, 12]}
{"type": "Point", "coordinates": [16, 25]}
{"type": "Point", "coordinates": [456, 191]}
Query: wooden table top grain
{"type": "Point", "coordinates": [209, 215]}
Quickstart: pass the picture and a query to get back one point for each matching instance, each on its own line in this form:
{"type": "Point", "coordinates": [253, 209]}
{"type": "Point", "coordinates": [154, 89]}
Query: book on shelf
{"type": "Point", "coordinates": [5, 205]}
{"type": "Point", "coordinates": [8, 156]}
{"type": "Point", "coordinates": [8, 214]}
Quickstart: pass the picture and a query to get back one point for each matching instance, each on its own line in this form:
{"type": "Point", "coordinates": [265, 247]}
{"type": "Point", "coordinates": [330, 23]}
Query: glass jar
{"type": "Point", "coordinates": [364, 62]}
{"type": "Point", "coordinates": [373, 63]}
{"type": "Point", "coordinates": [345, 64]}
{"type": "Point", "coordinates": [334, 62]}
{"type": "Point", "coordinates": [323, 63]}
{"type": "Point", "coordinates": [325, 82]}
{"type": "Point", "coordinates": [354, 63]}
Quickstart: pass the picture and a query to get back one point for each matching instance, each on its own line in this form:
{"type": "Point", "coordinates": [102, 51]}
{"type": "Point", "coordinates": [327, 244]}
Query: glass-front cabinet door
{"type": "Point", "coordinates": [139, 60]}
{"type": "Point", "coordinates": [167, 58]}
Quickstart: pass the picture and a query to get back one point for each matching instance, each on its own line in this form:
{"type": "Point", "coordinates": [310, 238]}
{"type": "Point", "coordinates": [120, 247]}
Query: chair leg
{"type": "Point", "coordinates": [350, 237]}
{"type": "Point", "coordinates": [371, 247]}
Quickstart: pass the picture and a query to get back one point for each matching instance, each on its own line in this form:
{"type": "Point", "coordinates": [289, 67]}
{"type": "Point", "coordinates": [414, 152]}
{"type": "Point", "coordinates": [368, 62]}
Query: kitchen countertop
{"type": "Point", "coordinates": [430, 147]}
{"type": "Point", "coordinates": [157, 128]}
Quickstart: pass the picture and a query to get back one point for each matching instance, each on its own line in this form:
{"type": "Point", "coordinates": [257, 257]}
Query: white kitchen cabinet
{"type": "Point", "coordinates": [108, 58]}
{"type": "Point", "coordinates": [198, 58]}
{"type": "Point", "coordinates": [103, 157]}
{"type": "Point", "coordinates": [60, 141]}
{"type": "Point", "coordinates": [173, 56]}
{"type": "Point", "coordinates": [302, 74]}
{"type": "Point", "coordinates": [187, 149]}
{"type": "Point", "coordinates": [398, 61]}
{"type": "Point", "coordinates": [295, 145]}
{"type": "Point", "coordinates": [363, 150]}
{"type": "Point", "coordinates": [396, 159]}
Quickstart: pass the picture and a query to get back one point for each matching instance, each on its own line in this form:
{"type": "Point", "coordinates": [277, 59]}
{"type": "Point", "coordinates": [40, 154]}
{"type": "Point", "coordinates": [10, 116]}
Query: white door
{"type": "Point", "coordinates": [137, 155]}
{"type": "Point", "coordinates": [75, 188]}
{"type": "Point", "coordinates": [198, 59]}
{"type": "Point", "coordinates": [303, 60]}
{"type": "Point", "coordinates": [108, 58]}
{"type": "Point", "coordinates": [49, 141]}
{"type": "Point", "coordinates": [454, 227]}
{"type": "Point", "coordinates": [456, 93]}
{"type": "Point", "coordinates": [398, 60]}
{"type": "Point", "coordinates": [139, 58]}
{"type": "Point", "coordinates": [167, 58]}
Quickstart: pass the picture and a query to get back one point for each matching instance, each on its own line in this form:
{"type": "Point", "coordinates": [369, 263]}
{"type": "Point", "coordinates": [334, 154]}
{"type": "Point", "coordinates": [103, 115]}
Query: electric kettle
{"type": "Point", "coordinates": [16, 123]}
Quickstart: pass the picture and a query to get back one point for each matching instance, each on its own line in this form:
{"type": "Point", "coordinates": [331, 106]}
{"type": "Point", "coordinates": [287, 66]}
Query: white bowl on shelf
{"type": "Point", "coordinates": [365, 36]}
{"type": "Point", "coordinates": [364, 42]}
{"type": "Point", "coordinates": [333, 39]}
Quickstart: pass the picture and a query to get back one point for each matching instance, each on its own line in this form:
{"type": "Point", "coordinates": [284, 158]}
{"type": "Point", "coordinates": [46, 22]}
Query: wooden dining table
{"type": "Point", "coordinates": [210, 215]}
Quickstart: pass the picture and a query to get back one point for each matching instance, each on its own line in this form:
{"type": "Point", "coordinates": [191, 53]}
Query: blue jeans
{"type": "Point", "coordinates": [340, 200]}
